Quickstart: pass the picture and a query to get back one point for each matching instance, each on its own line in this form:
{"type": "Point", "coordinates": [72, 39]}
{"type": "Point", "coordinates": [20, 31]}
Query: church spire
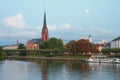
{"type": "Point", "coordinates": [44, 23]}
{"type": "Point", "coordinates": [45, 34]}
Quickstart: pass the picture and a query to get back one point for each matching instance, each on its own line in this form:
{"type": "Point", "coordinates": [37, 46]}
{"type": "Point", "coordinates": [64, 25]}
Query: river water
{"type": "Point", "coordinates": [57, 70]}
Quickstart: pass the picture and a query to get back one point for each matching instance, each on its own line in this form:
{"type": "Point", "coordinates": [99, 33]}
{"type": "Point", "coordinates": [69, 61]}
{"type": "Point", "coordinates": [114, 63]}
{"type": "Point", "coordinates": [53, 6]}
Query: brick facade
{"type": "Point", "coordinates": [34, 43]}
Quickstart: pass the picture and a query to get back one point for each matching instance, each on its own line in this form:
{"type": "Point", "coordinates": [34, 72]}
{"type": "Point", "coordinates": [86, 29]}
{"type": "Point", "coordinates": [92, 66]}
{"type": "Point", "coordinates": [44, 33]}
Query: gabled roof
{"type": "Point", "coordinates": [118, 38]}
{"type": "Point", "coordinates": [36, 41]}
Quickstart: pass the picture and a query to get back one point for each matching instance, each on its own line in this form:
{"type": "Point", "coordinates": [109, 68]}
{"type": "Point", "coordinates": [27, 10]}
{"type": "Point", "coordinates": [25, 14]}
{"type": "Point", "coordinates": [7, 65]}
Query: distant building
{"type": "Point", "coordinates": [11, 47]}
{"type": "Point", "coordinates": [34, 43]}
{"type": "Point", "coordinates": [89, 38]}
{"type": "Point", "coordinates": [99, 47]}
{"type": "Point", "coordinates": [107, 45]}
{"type": "Point", "coordinates": [115, 43]}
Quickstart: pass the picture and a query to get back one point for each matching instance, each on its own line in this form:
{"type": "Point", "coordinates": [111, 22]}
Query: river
{"type": "Point", "coordinates": [57, 70]}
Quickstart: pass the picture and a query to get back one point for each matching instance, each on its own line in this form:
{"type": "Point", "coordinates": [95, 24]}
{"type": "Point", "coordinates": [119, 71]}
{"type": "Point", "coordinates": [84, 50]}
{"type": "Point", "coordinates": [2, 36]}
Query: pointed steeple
{"type": "Point", "coordinates": [45, 35]}
{"type": "Point", "coordinates": [17, 43]}
{"type": "Point", "coordinates": [44, 23]}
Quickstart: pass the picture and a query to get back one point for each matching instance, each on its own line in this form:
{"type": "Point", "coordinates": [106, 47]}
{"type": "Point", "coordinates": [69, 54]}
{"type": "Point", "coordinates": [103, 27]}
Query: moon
{"type": "Point", "coordinates": [86, 10]}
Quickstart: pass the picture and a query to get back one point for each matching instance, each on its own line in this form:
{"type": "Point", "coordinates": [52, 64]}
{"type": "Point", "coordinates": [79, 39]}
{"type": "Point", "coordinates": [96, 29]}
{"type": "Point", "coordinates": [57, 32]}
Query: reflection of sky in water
{"type": "Point", "coordinates": [57, 70]}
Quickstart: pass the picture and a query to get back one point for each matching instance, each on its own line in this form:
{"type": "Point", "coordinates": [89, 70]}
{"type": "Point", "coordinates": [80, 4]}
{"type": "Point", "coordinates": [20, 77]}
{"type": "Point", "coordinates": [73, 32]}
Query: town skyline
{"type": "Point", "coordinates": [23, 20]}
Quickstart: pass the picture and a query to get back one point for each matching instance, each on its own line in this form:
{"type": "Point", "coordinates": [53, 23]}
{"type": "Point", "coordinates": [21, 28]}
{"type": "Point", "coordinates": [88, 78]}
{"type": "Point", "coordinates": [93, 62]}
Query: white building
{"type": "Point", "coordinates": [10, 47]}
{"type": "Point", "coordinates": [115, 43]}
{"type": "Point", "coordinates": [89, 38]}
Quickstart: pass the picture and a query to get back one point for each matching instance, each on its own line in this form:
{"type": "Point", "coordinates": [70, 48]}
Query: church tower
{"type": "Point", "coordinates": [45, 35]}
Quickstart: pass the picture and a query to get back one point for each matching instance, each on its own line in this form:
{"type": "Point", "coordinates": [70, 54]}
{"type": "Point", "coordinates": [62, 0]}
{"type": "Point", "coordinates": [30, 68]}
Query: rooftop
{"type": "Point", "coordinates": [118, 38]}
{"type": "Point", "coordinates": [36, 41]}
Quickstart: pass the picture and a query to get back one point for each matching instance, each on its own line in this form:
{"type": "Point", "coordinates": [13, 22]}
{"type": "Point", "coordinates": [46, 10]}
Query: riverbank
{"type": "Point", "coordinates": [46, 58]}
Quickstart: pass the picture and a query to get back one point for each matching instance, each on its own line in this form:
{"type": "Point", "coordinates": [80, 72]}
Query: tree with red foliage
{"type": "Point", "coordinates": [83, 46]}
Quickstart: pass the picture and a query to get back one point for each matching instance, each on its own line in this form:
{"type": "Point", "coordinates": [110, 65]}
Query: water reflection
{"type": "Point", "coordinates": [28, 69]}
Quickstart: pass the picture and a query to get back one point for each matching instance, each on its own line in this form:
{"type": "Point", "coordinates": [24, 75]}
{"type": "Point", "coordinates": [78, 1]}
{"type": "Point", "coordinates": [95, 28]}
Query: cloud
{"type": "Point", "coordinates": [26, 33]}
{"type": "Point", "coordinates": [66, 26]}
{"type": "Point", "coordinates": [103, 31]}
{"type": "Point", "coordinates": [58, 27]}
{"type": "Point", "coordinates": [39, 28]}
{"type": "Point", "coordinates": [15, 21]}
{"type": "Point", "coordinates": [52, 27]}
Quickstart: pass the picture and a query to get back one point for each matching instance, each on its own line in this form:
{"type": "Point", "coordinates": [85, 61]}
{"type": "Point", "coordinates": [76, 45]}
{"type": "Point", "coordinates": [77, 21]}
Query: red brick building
{"type": "Point", "coordinates": [44, 34]}
{"type": "Point", "coordinates": [34, 43]}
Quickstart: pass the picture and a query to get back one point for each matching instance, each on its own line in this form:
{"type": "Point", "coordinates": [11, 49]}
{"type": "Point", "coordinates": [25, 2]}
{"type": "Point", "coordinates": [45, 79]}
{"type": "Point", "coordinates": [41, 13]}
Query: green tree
{"type": "Point", "coordinates": [52, 43]}
{"type": "Point", "coordinates": [71, 47]}
{"type": "Point", "coordinates": [0, 50]}
{"type": "Point", "coordinates": [21, 46]}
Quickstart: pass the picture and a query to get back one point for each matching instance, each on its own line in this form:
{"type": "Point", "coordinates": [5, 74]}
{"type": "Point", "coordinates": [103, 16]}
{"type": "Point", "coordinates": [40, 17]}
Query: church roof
{"type": "Point", "coordinates": [36, 41]}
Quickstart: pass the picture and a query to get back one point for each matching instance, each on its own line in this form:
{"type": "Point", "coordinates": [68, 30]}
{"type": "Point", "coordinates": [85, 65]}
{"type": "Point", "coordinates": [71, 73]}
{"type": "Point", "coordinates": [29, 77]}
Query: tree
{"type": "Point", "coordinates": [0, 50]}
{"type": "Point", "coordinates": [21, 46]}
{"type": "Point", "coordinates": [80, 46]}
{"type": "Point", "coordinates": [83, 46]}
{"type": "Point", "coordinates": [93, 48]}
{"type": "Point", "coordinates": [52, 43]}
{"type": "Point", "coordinates": [71, 46]}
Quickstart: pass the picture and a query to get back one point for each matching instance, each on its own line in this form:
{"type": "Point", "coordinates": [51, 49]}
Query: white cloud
{"type": "Point", "coordinates": [26, 33]}
{"type": "Point", "coordinates": [15, 21]}
{"type": "Point", "coordinates": [52, 27]}
{"type": "Point", "coordinates": [39, 28]}
{"type": "Point", "coordinates": [66, 26]}
{"type": "Point", "coordinates": [103, 31]}
{"type": "Point", "coordinates": [58, 27]}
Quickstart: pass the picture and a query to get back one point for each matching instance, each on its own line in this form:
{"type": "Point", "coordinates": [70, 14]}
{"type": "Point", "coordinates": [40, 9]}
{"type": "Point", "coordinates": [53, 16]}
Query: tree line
{"type": "Point", "coordinates": [82, 46]}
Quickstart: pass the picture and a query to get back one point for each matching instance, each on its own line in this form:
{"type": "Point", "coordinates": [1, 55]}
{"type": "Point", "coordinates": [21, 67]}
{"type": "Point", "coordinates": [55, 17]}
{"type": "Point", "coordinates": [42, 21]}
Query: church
{"type": "Point", "coordinates": [34, 43]}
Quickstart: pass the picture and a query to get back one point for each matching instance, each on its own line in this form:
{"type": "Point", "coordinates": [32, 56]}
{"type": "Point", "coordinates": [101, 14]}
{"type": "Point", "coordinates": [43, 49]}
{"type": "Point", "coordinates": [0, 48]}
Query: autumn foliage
{"type": "Point", "coordinates": [81, 46]}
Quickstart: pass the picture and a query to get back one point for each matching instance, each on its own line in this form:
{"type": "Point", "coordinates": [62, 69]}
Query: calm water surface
{"type": "Point", "coordinates": [57, 70]}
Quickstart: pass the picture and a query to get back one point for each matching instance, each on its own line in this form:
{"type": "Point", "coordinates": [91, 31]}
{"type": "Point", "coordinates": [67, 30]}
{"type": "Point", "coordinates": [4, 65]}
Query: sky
{"type": "Point", "coordinates": [66, 19]}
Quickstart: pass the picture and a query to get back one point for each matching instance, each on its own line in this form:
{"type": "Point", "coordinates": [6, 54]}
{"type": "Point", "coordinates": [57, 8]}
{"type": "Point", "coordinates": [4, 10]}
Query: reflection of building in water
{"type": "Point", "coordinates": [74, 65]}
{"type": "Point", "coordinates": [44, 70]}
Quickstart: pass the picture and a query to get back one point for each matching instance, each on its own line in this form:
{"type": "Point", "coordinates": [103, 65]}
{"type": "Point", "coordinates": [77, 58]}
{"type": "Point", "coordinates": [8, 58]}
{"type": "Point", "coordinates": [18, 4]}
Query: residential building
{"type": "Point", "coordinates": [11, 47]}
{"type": "Point", "coordinates": [115, 43]}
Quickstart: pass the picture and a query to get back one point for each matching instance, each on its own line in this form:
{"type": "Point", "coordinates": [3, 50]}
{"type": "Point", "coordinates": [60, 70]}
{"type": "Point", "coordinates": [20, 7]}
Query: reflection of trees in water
{"type": "Point", "coordinates": [44, 70]}
{"type": "Point", "coordinates": [55, 68]}
{"type": "Point", "coordinates": [75, 65]}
